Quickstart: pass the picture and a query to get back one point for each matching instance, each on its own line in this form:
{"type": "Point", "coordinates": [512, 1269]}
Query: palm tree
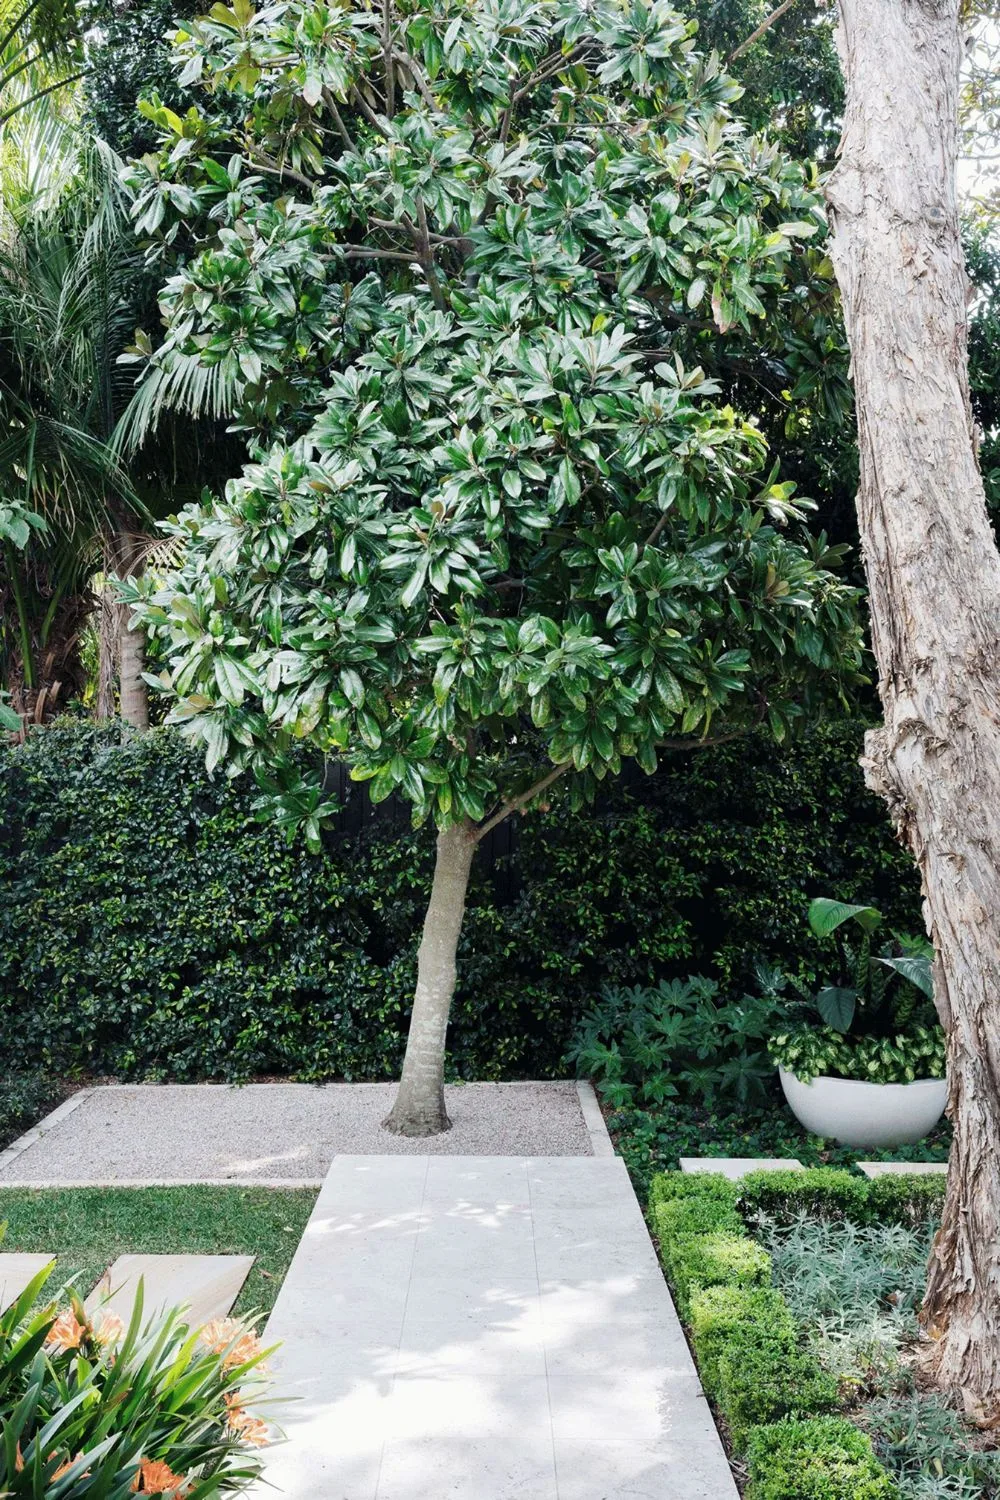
{"type": "Point", "coordinates": [69, 274]}
{"type": "Point", "coordinates": [40, 52]}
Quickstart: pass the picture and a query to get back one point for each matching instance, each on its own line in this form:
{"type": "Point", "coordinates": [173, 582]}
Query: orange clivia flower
{"type": "Point", "coordinates": [66, 1332]}
{"type": "Point", "coordinates": [65, 1467]}
{"type": "Point", "coordinates": [157, 1478]}
{"type": "Point", "coordinates": [111, 1328]}
{"type": "Point", "coordinates": [252, 1430]}
{"type": "Point", "coordinates": [228, 1336]}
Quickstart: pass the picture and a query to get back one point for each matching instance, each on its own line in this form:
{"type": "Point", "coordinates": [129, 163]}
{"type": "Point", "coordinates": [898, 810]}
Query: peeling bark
{"type": "Point", "coordinates": [934, 581]}
{"type": "Point", "coordinates": [419, 1106]}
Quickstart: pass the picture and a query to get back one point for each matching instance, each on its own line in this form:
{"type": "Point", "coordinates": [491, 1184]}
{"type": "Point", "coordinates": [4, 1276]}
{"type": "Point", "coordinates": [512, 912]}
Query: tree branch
{"type": "Point", "coordinates": [360, 252]}
{"type": "Point", "coordinates": [390, 77]}
{"type": "Point", "coordinates": [427, 259]}
{"type": "Point", "coordinates": [338, 120]}
{"type": "Point", "coordinates": [706, 744]}
{"type": "Point", "coordinates": [417, 74]}
{"type": "Point", "coordinates": [654, 534]}
{"type": "Point", "coordinates": [268, 164]}
{"type": "Point", "coordinates": [368, 112]}
{"type": "Point", "coordinates": [523, 798]}
{"type": "Point", "coordinates": [765, 25]}
{"type": "Point", "coordinates": [547, 68]}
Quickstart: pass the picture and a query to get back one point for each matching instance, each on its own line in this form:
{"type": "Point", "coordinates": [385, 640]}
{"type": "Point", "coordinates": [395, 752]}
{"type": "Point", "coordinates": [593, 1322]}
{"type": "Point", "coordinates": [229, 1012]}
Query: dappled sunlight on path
{"type": "Point", "coordinates": [485, 1328]}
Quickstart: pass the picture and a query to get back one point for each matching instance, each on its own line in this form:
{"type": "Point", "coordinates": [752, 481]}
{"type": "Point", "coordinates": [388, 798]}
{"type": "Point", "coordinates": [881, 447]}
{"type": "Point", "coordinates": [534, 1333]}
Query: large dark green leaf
{"type": "Point", "coordinates": [837, 1005]}
{"type": "Point", "coordinates": [915, 967]}
{"type": "Point", "coordinates": [826, 915]}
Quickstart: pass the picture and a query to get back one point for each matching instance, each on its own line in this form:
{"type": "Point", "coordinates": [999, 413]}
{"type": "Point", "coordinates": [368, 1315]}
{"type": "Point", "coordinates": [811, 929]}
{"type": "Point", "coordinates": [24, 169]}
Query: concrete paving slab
{"type": "Point", "coordinates": [16, 1271]}
{"type": "Point", "coordinates": [283, 1132]}
{"type": "Point", "coordinates": [736, 1167]}
{"type": "Point", "coordinates": [431, 1358]}
{"type": "Point", "coordinates": [875, 1169]}
{"type": "Point", "coordinates": [207, 1285]}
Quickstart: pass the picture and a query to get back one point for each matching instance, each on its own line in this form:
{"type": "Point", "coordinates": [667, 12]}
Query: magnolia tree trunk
{"type": "Point", "coordinates": [419, 1107]}
{"type": "Point", "coordinates": [934, 579]}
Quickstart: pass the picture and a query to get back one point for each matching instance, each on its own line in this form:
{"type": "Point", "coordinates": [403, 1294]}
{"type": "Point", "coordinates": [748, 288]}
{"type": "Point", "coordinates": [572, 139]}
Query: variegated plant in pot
{"type": "Point", "coordinates": [873, 1073]}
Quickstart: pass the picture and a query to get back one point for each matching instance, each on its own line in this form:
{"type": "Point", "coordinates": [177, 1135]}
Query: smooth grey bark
{"type": "Point", "coordinates": [132, 691]}
{"type": "Point", "coordinates": [133, 694]}
{"type": "Point", "coordinates": [934, 582]}
{"type": "Point", "coordinates": [419, 1106]}
{"type": "Point", "coordinates": [122, 651]}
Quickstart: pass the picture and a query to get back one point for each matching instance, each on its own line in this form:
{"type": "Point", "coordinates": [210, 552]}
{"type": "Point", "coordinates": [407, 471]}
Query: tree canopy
{"type": "Point", "coordinates": [493, 521]}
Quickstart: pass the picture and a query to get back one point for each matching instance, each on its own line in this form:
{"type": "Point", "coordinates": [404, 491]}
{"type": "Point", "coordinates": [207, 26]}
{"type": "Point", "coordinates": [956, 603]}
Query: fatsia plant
{"type": "Point", "coordinates": [495, 536]}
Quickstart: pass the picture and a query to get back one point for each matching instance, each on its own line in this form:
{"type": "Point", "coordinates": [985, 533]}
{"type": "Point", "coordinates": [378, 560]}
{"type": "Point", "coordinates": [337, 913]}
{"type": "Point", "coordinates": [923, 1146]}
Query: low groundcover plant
{"type": "Point", "coordinates": [89, 1407]}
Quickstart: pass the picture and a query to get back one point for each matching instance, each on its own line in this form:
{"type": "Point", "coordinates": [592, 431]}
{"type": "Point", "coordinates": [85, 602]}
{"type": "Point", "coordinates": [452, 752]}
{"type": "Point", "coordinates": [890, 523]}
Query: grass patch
{"type": "Point", "coordinates": [86, 1228]}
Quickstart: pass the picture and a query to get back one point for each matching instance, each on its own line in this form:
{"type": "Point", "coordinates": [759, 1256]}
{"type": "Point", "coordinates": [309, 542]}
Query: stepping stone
{"type": "Point", "coordinates": [15, 1273]}
{"type": "Point", "coordinates": [875, 1169]}
{"type": "Point", "coordinates": [735, 1167]}
{"type": "Point", "coordinates": [207, 1285]}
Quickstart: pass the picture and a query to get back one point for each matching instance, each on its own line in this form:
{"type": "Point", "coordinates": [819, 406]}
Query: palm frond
{"type": "Point", "coordinates": [178, 382]}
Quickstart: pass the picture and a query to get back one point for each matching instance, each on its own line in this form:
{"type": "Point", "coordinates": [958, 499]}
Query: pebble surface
{"type": "Point", "coordinates": [279, 1131]}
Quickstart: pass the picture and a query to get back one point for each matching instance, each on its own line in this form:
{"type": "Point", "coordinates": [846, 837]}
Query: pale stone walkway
{"type": "Point", "coordinates": [485, 1328]}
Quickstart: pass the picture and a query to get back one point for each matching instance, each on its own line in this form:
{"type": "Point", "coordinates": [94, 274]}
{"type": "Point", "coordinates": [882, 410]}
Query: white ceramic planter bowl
{"type": "Point", "coordinates": [866, 1114]}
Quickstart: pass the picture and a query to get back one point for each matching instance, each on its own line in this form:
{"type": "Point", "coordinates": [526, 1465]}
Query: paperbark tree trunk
{"type": "Point", "coordinates": [419, 1105]}
{"type": "Point", "coordinates": [934, 580]}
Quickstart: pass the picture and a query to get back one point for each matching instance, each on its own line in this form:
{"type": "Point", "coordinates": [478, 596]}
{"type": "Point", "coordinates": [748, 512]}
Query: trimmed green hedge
{"type": "Point", "coordinates": [764, 1379]}
{"type": "Point", "coordinates": [720, 1317]}
{"type": "Point", "coordinates": [149, 926]}
{"type": "Point", "coordinates": [775, 1398]}
{"type": "Point", "coordinates": [834, 1193]}
{"type": "Point", "coordinates": [828, 1191]}
{"type": "Point", "coordinates": [826, 1458]}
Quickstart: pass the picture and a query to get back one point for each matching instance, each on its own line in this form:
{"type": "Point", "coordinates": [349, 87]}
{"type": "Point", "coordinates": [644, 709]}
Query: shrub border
{"type": "Point", "coordinates": [779, 1405]}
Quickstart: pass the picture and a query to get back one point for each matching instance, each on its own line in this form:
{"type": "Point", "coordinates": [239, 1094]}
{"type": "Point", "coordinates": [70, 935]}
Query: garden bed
{"type": "Point", "coordinates": [653, 1140]}
{"type": "Point", "coordinates": [87, 1228]}
{"type": "Point", "coordinates": [799, 1292]}
{"type": "Point", "coordinates": [26, 1098]}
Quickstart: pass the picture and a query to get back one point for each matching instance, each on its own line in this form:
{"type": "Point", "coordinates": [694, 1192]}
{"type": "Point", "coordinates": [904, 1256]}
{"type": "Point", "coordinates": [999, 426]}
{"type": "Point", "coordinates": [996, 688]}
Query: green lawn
{"type": "Point", "coordinates": [86, 1228]}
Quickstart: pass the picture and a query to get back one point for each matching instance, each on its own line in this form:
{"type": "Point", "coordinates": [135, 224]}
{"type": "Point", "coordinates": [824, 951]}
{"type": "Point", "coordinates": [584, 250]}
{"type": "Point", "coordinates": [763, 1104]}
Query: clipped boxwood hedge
{"type": "Point", "coordinates": [778, 1403]}
{"type": "Point", "coordinates": [149, 926]}
{"type": "Point", "coordinates": [826, 1458]}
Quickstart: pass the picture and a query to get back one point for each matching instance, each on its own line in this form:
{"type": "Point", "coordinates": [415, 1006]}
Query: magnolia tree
{"type": "Point", "coordinates": [495, 536]}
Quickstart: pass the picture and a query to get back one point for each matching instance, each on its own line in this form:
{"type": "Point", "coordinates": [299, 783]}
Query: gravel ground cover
{"type": "Point", "coordinates": [282, 1132]}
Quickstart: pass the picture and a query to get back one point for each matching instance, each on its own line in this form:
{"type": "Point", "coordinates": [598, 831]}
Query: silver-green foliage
{"type": "Point", "coordinates": [855, 1288]}
{"type": "Point", "coordinates": [930, 1451]}
{"type": "Point", "coordinates": [492, 523]}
